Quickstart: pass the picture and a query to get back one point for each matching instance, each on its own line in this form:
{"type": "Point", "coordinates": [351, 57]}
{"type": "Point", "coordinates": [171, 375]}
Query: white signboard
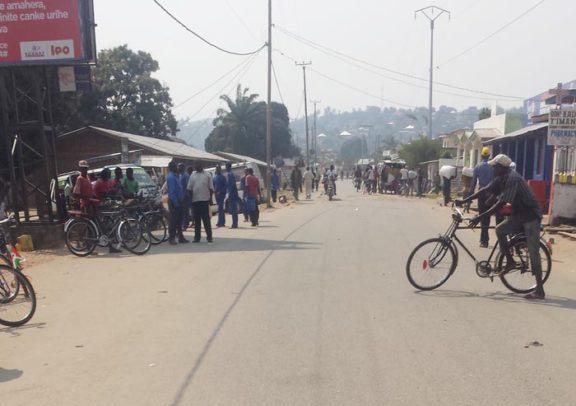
{"type": "Point", "coordinates": [562, 127]}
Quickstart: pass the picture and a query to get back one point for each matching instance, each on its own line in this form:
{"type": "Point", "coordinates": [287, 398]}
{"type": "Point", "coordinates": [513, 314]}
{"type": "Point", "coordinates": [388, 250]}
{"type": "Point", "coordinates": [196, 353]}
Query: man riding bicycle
{"type": "Point", "coordinates": [525, 217]}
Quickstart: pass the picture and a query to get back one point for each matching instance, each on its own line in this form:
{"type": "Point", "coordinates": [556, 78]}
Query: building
{"type": "Point", "coordinates": [103, 147]}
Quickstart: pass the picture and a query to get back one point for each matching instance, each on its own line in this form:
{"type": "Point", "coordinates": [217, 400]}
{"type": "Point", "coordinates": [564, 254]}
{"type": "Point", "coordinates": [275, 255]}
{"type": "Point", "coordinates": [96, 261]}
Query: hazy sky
{"type": "Point", "coordinates": [526, 58]}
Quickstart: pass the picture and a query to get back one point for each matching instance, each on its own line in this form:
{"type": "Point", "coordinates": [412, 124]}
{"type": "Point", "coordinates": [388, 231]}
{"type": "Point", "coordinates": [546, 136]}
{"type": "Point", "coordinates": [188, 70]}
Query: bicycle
{"type": "Point", "coordinates": [85, 232]}
{"type": "Point", "coordinates": [153, 221]}
{"type": "Point", "coordinates": [17, 296]}
{"type": "Point", "coordinates": [436, 259]}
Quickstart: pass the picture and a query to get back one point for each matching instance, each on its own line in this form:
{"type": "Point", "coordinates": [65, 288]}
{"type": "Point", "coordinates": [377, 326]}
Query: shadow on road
{"type": "Point", "coordinates": [552, 301]}
{"type": "Point", "coordinates": [9, 374]}
{"type": "Point", "coordinates": [15, 331]}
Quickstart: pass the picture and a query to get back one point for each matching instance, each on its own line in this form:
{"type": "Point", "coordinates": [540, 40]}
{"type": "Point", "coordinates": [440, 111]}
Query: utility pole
{"type": "Point", "coordinates": [269, 111]}
{"type": "Point", "coordinates": [432, 13]}
{"type": "Point", "coordinates": [315, 134]}
{"type": "Point", "coordinates": [304, 64]}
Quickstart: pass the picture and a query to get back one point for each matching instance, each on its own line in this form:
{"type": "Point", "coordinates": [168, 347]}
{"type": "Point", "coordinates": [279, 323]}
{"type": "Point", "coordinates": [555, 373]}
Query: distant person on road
{"type": "Point", "coordinates": [175, 199]}
{"type": "Point", "coordinates": [254, 197]}
{"type": "Point", "coordinates": [186, 201]}
{"type": "Point", "coordinates": [308, 181]}
{"type": "Point", "coordinates": [483, 176]}
{"type": "Point", "coordinates": [447, 173]}
{"type": "Point", "coordinates": [220, 190]}
{"type": "Point", "coordinates": [296, 182]}
{"type": "Point", "coordinates": [275, 183]}
{"type": "Point", "coordinates": [200, 185]}
{"type": "Point", "coordinates": [412, 179]}
{"type": "Point", "coordinates": [232, 194]}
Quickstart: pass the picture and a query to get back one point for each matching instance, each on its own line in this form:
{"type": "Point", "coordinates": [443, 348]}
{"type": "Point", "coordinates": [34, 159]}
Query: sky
{"type": "Point", "coordinates": [528, 57]}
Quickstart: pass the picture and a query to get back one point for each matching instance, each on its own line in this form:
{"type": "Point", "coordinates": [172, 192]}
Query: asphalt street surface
{"type": "Point", "coordinates": [311, 308]}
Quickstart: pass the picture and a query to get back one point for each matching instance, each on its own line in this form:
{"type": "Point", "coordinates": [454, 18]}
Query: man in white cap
{"type": "Point", "coordinates": [483, 175]}
{"type": "Point", "coordinates": [525, 218]}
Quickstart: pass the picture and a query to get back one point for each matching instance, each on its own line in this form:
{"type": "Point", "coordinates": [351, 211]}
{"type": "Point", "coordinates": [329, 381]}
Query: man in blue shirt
{"type": "Point", "coordinates": [184, 178]}
{"type": "Point", "coordinates": [220, 190]}
{"type": "Point", "coordinates": [175, 198]}
{"type": "Point", "coordinates": [483, 175]}
{"type": "Point", "coordinates": [275, 183]}
{"type": "Point", "coordinates": [232, 194]}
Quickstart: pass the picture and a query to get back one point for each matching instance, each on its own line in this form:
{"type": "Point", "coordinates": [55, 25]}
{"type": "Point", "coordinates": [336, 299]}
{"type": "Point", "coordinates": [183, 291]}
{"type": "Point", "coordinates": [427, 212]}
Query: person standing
{"type": "Point", "coordinates": [371, 180]}
{"type": "Point", "coordinates": [186, 202]}
{"type": "Point", "coordinates": [244, 195]}
{"type": "Point", "coordinates": [175, 198]}
{"type": "Point", "coordinates": [232, 194]}
{"type": "Point", "coordinates": [447, 173]}
{"type": "Point", "coordinates": [220, 190]}
{"type": "Point", "coordinates": [103, 185]}
{"type": "Point", "coordinates": [200, 184]}
{"type": "Point", "coordinates": [308, 183]}
{"type": "Point", "coordinates": [275, 185]}
{"type": "Point", "coordinates": [483, 175]}
{"type": "Point", "coordinates": [296, 182]}
{"type": "Point", "coordinates": [129, 184]}
{"type": "Point", "coordinates": [253, 197]}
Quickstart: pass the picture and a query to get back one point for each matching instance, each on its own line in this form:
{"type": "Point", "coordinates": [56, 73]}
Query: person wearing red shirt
{"type": "Point", "coordinates": [254, 196]}
{"type": "Point", "coordinates": [83, 188]}
{"type": "Point", "coordinates": [103, 185]}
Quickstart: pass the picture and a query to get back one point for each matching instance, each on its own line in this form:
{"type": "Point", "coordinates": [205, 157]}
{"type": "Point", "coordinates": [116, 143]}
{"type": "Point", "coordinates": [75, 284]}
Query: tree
{"type": "Point", "coordinates": [421, 150]}
{"type": "Point", "coordinates": [485, 112]}
{"type": "Point", "coordinates": [126, 97]}
{"type": "Point", "coordinates": [241, 127]}
{"type": "Point", "coordinates": [351, 150]}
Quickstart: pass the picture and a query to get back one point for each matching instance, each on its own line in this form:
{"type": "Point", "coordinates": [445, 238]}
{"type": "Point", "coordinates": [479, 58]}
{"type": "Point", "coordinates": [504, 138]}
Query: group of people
{"type": "Point", "coordinates": [191, 192]}
{"type": "Point", "coordinates": [506, 194]}
{"type": "Point", "coordinates": [374, 179]}
{"type": "Point", "coordinates": [310, 180]}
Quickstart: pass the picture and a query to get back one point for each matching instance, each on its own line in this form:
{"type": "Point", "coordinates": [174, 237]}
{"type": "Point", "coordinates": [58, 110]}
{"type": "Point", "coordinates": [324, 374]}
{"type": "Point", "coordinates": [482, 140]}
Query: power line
{"type": "Point", "coordinates": [212, 84]}
{"type": "Point", "coordinates": [277, 85]}
{"type": "Point", "coordinates": [202, 38]}
{"type": "Point", "coordinates": [240, 19]}
{"type": "Point", "coordinates": [348, 85]}
{"type": "Point", "coordinates": [316, 45]}
{"type": "Point", "coordinates": [499, 30]}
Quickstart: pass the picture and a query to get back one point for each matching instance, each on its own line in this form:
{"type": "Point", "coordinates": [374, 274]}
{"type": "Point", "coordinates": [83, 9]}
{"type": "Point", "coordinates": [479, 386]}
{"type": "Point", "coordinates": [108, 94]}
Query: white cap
{"type": "Point", "coordinates": [502, 160]}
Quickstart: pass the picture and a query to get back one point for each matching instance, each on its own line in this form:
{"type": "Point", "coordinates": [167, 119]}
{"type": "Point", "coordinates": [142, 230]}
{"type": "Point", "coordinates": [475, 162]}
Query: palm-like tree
{"type": "Point", "coordinates": [240, 115]}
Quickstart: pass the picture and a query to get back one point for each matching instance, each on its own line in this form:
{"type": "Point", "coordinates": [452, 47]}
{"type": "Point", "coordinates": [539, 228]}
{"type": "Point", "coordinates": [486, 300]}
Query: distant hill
{"type": "Point", "coordinates": [194, 132]}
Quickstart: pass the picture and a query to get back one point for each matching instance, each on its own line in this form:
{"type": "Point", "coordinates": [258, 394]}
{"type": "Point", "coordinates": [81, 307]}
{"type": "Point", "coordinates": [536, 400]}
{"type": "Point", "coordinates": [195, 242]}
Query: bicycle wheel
{"type": "Point", "coordinates": [17, 299]}
{"type": "Point", "coordinates": [431, 264]}
{"type": "Point", "coordinates": [134, 237]}
{"type": "Point", "coordinates": [81, 238]}
{"type": "Point", "coordinates": [156, 226]}
{"type": "Point", "coordinates": [522, 280]}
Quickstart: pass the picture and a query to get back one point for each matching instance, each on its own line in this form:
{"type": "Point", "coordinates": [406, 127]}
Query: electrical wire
{"type": "Point", "coordinates": [498, 31]}
{"type": "Point", "coordinates": [240, 19]}
{"type": "Point", "coordinates": [379, 97]}
{"type": "Point", "coordinates": [212, 84]}
{"type": "Point", "coordinates": [316, 45]}
{"type": "Point", "coordinates": [277, 85]}
{"type": "Point", "coordinates": [202, 38]}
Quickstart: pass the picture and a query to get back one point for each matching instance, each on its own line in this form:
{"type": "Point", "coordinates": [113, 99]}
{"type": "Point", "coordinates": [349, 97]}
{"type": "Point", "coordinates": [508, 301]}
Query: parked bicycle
{"type": "Point", "coordinates": [17, 296]}
{"type": "Point", "coordinates": [110, 225]}
{"type": "Point", "coordinates": [434, 261]}
{"type": "Point", "coordinates": [151, 220]}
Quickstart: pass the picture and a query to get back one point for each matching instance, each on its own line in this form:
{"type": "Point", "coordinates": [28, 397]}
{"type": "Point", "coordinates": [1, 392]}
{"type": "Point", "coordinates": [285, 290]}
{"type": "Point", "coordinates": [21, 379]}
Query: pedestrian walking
{"type": "Point", "coordinates": [296, 182]}
{"type": "Point", "coordinates": [308, 183]}
{"type": "Point", "coordinates": [232, 194]}
{"type": "Point", "coordinates": [200, 185]}
{"type": "Point", "coordinates": [275, 185]}
{"type": "Point", "coordinates": [412, 178]}
{"type": "Point", "coordinates": [447, 173]}
{"type": "Point", "coordinates": [253, 198]}
{"type": "Point", "coordinates": [175, 198]}
{"type": "Point", "coordinates": [483, 175]}
{"type": "Point", "coordinates": [220, 190]}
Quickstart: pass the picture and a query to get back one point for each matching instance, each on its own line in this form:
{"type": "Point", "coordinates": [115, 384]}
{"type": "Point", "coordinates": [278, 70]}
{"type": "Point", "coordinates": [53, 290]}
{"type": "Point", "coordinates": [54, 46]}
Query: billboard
{"type": "Point", "coordinates": [562, 127]}
{"type": "Point", "coordinates": [46, 32]}
{"type": "Point", "coordinates": [536, 105]}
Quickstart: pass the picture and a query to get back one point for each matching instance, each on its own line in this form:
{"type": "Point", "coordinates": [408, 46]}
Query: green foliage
{"type": "Point", "coordinates": [241, 127]}
{"type": "Point", "coordinates": [126, 97]}
{"type": "Point", "coordinates": [485, 112]}
{"type": "Point", "coordinates": [421, 150]}
{"type": "Point", "coordinates": [351, 150]}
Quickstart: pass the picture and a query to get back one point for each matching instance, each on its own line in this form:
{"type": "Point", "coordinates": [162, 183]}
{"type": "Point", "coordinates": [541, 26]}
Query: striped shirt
{"type": "Point", "coordinates": [525, 207]}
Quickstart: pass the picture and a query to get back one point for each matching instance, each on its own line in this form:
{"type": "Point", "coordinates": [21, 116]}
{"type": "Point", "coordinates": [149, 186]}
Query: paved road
{"type": "Point", "coordinates": [313, 308]}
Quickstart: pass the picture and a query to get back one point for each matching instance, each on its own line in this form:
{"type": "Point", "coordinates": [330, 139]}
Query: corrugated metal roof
{"type": "Point", "coordinates": [487, 133]}
{"type": "Point", "coordinates": [518, 133]}
{"type": "Point", "coordinates": [240, 158]}
{"type": "Point", "coordinates": [149, 161]}
{"type": "Point", "coordinates": [171, 148]}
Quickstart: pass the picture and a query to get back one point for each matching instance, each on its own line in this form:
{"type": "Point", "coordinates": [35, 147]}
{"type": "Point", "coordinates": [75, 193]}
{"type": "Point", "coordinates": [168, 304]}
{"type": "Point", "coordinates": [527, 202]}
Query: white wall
{"type": "Point", "coordinates": [564, 204]}
{"type": "Point", "coordinates": [495, 122]}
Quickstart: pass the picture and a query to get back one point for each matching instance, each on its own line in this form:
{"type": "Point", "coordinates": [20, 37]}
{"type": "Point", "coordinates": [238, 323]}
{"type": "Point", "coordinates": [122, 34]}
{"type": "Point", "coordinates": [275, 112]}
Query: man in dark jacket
{"type": "Point", "coordinates": [296, 182]}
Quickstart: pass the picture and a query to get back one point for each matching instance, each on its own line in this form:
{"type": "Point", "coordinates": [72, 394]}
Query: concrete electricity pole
{"type": "Point", "coordinates": [432, 13]}
{"type": "Point", "coordinates": [315, 133]}
{"type": "Point", "coordinates": [269, 110]}
{"type": "Point", "coordinates": [304, 64]}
